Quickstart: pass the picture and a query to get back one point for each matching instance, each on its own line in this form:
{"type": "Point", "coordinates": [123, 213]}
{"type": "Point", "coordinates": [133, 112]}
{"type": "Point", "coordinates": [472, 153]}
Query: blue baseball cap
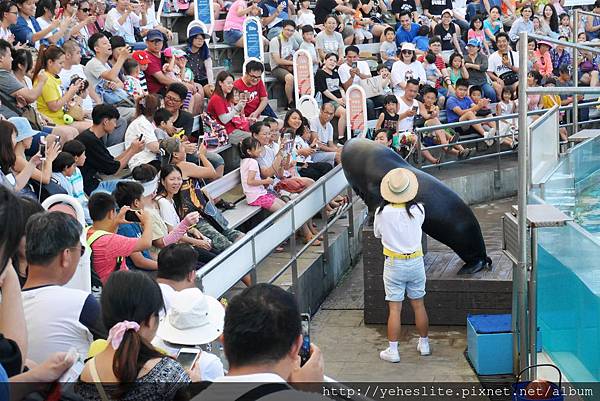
{"type": "Point", "coordinates": [154, 34]}
{"type": "Point", "coordinates": [474, 42]}
{"type": "Point", "coordinates": [23, 128]}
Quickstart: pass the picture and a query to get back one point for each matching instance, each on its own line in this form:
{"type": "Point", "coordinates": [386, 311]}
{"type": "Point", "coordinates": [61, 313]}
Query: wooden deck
{"type": "Point", "coordinates": [450, 298]}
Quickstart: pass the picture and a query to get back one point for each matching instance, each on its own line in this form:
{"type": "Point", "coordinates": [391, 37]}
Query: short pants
{"type": "Point", "coordinates": [265, 201]}
{"type": "Point", "coordinates": [232, 36]}
{"type": "Point", "coordinates": [403, 276]}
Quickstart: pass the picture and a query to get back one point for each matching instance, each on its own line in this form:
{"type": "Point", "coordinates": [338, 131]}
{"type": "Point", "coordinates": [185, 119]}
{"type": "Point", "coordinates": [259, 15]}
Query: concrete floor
{"type": "Point", "coordinates": [351, 348]}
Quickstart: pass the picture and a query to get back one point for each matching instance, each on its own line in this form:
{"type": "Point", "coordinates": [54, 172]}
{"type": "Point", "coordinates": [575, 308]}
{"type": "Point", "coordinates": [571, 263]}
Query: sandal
{"type": "Point", "coordinates": [316, 242]}
{"type": "Point", "coordinates": [224, 205]}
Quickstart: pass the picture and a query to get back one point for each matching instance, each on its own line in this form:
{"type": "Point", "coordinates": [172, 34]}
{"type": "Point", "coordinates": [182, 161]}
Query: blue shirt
{"type": "Point", "coordinates": [4, 387]}
{"type": "Point", "coordinates": [453, 102]}
{"type": "Point", "coordinates": [404, 36]}
{"type": "Point", "coordinates": [421, 43]}
{"type": "Point", "coordinates": [269, 7]}
{"type": "Point", "coordinates": [23, 32]}
{"type": "Point", "coordinates": [133, 230]}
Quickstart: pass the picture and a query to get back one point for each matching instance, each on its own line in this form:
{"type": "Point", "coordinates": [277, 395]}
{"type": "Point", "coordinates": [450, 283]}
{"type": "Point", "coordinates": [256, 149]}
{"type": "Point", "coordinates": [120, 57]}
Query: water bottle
{"type": "Point", "coordinates": [166, 7]}
{"type": "Point", "coordinates": [227, 64]}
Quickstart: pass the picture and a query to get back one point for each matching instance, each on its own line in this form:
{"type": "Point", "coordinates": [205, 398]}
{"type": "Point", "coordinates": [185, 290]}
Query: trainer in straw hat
{"type": "Point", "coordinates": [194, 319]}
{"type": "Point", "coordinates": [399, 185]}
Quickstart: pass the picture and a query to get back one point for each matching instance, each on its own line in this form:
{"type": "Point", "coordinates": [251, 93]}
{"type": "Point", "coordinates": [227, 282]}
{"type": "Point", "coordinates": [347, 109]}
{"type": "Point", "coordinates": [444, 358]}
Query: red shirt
{"type": "Point", "coordinates": [439, 63]}
{"type": "Point", "coordinates": [255, 94]}
{"type": "Point", "coordinates": [218, 106]}
{"type": "Point", "coordinates": [154, 66]}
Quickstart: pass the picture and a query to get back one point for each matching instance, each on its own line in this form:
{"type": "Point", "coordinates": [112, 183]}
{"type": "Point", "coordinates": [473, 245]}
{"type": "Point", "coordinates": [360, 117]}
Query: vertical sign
{"type": "Point", "coordinates": [304, 80]}
{"type": "Point", "coordinates": [253, 44]}
{"type": "Point", "coordinates": [204, 12]}
{"type": "Point", "coordinates": [356, 111]}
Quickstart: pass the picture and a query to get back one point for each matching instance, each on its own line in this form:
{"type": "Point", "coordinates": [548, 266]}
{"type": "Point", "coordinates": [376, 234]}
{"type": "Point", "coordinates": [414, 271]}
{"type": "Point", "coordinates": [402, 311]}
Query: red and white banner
{"type": "Point", "coordinates": [304, 80]}
{"type": "Point", "coordinates": [356, 111]}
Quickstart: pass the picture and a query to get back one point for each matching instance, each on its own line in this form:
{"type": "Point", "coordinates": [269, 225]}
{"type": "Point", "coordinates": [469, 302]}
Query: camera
{"type": "Point", "coordinates": [76, 79]}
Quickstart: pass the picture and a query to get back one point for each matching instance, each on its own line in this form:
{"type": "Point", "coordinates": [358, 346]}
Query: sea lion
{"type": "Point", "coordinates": [447, 218]}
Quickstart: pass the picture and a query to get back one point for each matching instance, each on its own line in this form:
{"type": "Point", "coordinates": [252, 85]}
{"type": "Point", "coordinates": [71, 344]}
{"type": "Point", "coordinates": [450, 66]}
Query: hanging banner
{"type": "Point", "coordinates": [304, 80]}
{"type": "Point", "coordinates": [356, 111]}
{"type": "Point", "coordinates": [204, 12]}
{"type": "Point", "coordinates": [253, 43]}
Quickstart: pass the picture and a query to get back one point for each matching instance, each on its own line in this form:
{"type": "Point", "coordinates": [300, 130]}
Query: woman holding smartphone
{"type": "Point", "coordinates": [142, 128]}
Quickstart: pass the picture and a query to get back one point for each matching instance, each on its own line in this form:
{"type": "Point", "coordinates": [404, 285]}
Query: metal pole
{"type": "Point", "coordinates": [350, 194]}
{"type": "Point", "coordinates": [294, 256]}
{"type": "Point", "coordinates": [533, 306]}
{"type": "Point", "coordinates": [521, 277]}
{"type": "Point", "coordinates": [575, 69]}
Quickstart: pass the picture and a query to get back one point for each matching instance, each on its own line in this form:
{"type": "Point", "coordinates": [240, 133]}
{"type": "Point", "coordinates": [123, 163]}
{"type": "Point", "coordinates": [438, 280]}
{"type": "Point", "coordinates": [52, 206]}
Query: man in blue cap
{"type": "Point", "coordinates": [477, 65]}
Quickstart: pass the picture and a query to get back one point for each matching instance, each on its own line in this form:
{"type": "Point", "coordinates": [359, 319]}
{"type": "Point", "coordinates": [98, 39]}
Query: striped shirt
{"type": "Point", "coordinates": [142, 78]}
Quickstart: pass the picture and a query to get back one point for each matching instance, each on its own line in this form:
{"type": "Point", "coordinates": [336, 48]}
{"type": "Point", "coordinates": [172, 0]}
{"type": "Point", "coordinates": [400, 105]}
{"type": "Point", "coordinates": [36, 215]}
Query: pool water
{"type": "Point", "coordinates": [586, 210]}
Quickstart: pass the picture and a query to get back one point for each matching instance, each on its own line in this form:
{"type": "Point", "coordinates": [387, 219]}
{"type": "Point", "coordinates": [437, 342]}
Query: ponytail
{"type": "Point", "coordinates": [46, 54]}
{"type": "Point", "coordinates": [131, 356]}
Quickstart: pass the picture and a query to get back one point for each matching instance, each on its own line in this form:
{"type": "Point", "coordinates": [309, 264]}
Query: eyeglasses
{"type": "Point", "coordinates": [81, 249]}
{"type": "Point", "coordinates": [173, 99]}
{"type": "Point", "coordinates": [14, 12]}
{"type": "Point", "coordinates": [85, 10]}
{"type": "Point", "coordinates": [407, 51]}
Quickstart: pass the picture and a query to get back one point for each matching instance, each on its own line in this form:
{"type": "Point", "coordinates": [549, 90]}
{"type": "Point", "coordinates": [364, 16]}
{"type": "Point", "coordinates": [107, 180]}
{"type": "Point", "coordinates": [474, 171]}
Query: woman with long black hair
{"type": "Point", "coordinates": [131, 304]}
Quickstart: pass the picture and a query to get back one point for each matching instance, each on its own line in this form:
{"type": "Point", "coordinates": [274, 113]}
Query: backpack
{"type": "Point", "coordinates": [96, 282]}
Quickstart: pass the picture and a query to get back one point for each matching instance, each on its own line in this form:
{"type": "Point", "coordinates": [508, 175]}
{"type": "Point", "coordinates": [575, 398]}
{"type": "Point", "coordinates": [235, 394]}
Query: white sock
{"type": "Point", "coordinates": [393, 346]}
{"type": "Point", "coordinates": [424, 339]}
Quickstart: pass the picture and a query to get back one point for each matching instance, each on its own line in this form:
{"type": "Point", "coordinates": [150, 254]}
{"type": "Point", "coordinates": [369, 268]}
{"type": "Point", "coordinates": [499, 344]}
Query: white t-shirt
{"type": "Point", "coordinates": [325, 133]}
{"type": "Point", "coordinates": [306, 18]}
{"type": "Point", "coordinates": [300, 143]}
{"type": "Point", "coordinates": [126, 30]}
{"type": "Point", "coordinates": [54, 316]}
{"type": "Point", "coordinates": [5, 33]}
{"type": "Point", "coordinates": [398, 231]}
{"type": "Point", "coordinates": [151, 20]}
{"type": "Point", "coordinates": [402, 72]}
{"type": "Point", "coordinates": [344, 71]}
{"type": "Point", "coordinates": [65, 79]}
{"type": "Point", "coordinates": [406, 124]}
{"type": "Point", "coordinates": [43, 25]}
{"type": "Point", "coordinates": [93, 69]}
{"type": "Point", "coordinates": [140, 126]}
{"type": "Point", "coordinates": [168, 212]}
{"type": "Point", "coordinates": [329, 43]}
{"type": "Point", "coordinates": [168, 293]}
{"type": "Point", "coordinates": [496, 66]}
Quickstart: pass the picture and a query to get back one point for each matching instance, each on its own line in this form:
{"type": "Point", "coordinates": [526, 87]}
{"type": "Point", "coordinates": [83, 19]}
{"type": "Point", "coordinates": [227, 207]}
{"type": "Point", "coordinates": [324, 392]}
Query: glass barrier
{"type": "Point", "coordinates": [568, 272]}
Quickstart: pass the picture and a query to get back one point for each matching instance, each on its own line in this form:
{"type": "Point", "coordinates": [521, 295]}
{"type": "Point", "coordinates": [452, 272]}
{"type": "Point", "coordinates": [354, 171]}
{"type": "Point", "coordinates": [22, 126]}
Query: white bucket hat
{"type": "Point", "coordinates": [194, 319]}
{"type": "Point", "coordinates": [399, 185]}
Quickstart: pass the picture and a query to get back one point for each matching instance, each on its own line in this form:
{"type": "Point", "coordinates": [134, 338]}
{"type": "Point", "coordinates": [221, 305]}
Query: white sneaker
{"type": "Point", "coordinates": [390, 356]}
{"type": "Point", "coordinates": [423, 346]}
{"type": "Point", "coordinates": [490, 134]}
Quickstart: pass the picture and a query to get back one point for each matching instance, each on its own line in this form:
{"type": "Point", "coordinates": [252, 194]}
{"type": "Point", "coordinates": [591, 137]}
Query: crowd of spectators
{"type": "Point", "coordinates": [80, 79]}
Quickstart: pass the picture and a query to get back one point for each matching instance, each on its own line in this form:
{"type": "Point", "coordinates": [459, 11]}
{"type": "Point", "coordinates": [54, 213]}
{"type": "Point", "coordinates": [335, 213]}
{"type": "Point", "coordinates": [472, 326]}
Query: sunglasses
{"type": "Point", "coordinates": [85, 10]}
{"type": "Point", "coordinates": [407, 51]}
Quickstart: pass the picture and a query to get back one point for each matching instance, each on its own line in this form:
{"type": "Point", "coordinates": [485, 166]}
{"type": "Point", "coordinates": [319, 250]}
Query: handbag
{"type": "Point", "coordinates": [205, 206]}
{"type": "Point", "coordinates": [215, 134]}
{"type": "Point", "coordinates": [293, 185]}
{"type": "Point", "coordinates": [117, 97]}
{"type": "Point", "coordinates": [510, 77]}
{"type": "Point", "coordinates": [372, 86]}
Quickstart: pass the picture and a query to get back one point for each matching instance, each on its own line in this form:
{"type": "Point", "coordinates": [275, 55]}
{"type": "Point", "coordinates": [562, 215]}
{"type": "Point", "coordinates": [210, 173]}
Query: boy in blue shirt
{"type": "Point", "coordinates": [460, 107]}
{"type": "Point", "coordinates": [133, 194]}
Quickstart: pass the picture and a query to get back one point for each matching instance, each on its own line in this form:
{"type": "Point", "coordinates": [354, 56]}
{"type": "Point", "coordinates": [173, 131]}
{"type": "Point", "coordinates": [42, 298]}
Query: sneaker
{"type": "Point", "coordinates": [423, 347]}
{"type": "Point", "coordinates": [388, 355]}
{"type": "Point", "coordinates": [490, 134]}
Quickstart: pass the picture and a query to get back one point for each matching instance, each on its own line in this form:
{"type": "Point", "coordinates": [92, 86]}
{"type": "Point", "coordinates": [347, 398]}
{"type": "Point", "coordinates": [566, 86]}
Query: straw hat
{"type": "Point", "coordinates": [194, 318]}
{"type": "Point", "coordinates": [399, 186]}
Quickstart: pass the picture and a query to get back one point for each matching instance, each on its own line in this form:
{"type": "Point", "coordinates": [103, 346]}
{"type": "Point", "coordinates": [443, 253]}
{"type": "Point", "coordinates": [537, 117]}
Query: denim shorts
{"type": "Point", "coordinates": [403, 275]}
{"type": "Point", "coordinates": [232, 36]}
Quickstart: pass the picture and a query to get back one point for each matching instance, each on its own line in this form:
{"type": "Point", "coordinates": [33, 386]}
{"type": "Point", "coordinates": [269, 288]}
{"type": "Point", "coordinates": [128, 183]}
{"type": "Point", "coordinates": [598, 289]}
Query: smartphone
{"type": "Point", "coordinates": [244, 96]}
{"type": "Point", "coordinates": [140, 137]}
{"type": "Point", "coordinates": [131, 216]}
{"type": "Point", "coordinates": [354, 64]}
{"type": "Point", "coordinates": [187, 357]}
{"type": "Point", "coordinates": [59, 12]}
{"type": "Point", "coordinates": [416, 109]}
{"type": "Point", "coordinates": [305, 348]}
{"type": "Point", "coordinates": [72, 374]}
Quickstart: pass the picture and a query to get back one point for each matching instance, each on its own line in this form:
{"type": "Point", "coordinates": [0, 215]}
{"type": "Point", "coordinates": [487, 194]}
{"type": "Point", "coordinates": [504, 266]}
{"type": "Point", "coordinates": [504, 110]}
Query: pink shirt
{"type": "Point", "coordinates": [476, 35]}
{"type": "Point", "coordinates": [252, 192]}
{"type": "Point", "coordinates": [107, 249]}
{"type": "Point", "coordinates": [232, 21]}
{"type": "Point", "coordinates": [543, 63]}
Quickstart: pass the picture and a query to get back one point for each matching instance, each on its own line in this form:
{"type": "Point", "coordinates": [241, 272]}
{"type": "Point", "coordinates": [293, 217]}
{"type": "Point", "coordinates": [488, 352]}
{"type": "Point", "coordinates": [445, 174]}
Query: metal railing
{"type": "Point", "coordinates": [497, 138]}
{"type": "Point", "coordinates": [243, 256]}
